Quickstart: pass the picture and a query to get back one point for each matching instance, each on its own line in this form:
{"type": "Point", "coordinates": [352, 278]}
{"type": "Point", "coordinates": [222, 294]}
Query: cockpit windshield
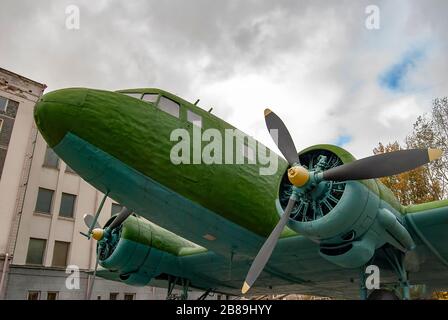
{"type": "Point", "coordinates": [150, 97]}
{"type": "Point", "coordinates": [134, 95]}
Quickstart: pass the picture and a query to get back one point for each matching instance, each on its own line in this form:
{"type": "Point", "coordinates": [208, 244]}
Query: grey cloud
{"type": "Point", "coordinates": [317, 56]}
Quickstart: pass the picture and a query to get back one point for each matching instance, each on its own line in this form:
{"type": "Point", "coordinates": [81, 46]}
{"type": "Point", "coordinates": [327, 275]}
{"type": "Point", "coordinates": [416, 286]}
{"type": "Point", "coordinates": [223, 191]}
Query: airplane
{"type": "Point", "coordinates": [312, 227]}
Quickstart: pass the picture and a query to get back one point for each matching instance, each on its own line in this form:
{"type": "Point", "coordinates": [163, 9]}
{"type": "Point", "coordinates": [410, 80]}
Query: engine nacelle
{"type": "Point", "coordinates": [126, 251]}
{"type": "Point", "coordinates": [337, 215]}
{"type": "Point", "coordinates": [135, 250]}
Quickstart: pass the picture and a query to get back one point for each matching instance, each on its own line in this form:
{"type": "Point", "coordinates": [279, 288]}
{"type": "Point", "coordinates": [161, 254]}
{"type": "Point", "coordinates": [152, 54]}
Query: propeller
{"type": "Point", "coordinates": [97, 232]}
{"type": "Point", "coordinates": [382, 165]}
{"type": "Point", "coordinates": [89, 296]}
{"type": "Point", "coordinates": [280, 134]}
{"type": "Point", "coordinates": [119, 219]}
{"type": "Point", "coordinates": [92, 223]}
{"type": "Point", "coordinates": [377, 166]}
{"type": "Point", "coordinates": [266, 250]}
{"type": "Point", "coordinates": [90, 220]}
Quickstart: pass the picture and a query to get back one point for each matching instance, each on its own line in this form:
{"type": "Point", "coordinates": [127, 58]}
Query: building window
{"type": "Point", "coordinates": [1, 125]}
{"type": "Point", "coordinates": [169, 106]}
{"type": "Point", "coordinates": [60, 253]}
{"type": "Point", "coordinates": [52, 295]}
{"type": "Point", "coordinates": [3, 152]}
{"type": "Point", "coordinates": [44, 200]}
{"type": "Point", "coordinates": [150, 97]}
{"type": "Point", "coordinates": [3, 103]}
{"type": "Point", "coordinates": [129, 296]}
{"type": "Point", "coordinates": [51, 158]}
{"type": "Point", "coordinates": [12, 108]}
{"type": "Point", "coordinates": [33, 295]}
{"type": "Point", "coordinates": [113, 296]}
{"type": "Point", "coordinates": [36, 249]}
{"type": "Point", "coordinates": [115, 208]}
{"type": "Point", "coordinates": [6, 130]}
{"type": "Point", "coordinates": [67, 205]}
{"type": "Point", "coordinates": [194, 118]}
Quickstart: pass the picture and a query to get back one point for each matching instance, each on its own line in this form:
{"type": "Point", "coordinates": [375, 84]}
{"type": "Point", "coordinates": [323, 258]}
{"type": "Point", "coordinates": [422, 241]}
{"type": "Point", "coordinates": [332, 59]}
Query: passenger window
{"type": "Point", "coordinates": [133, 95]}
{"type": "Point", "coordinates": [169, 106]}
{"type": "Point", "coordinates": [194, 118]}
{"type": "Point", "coordinates": [150, 97]}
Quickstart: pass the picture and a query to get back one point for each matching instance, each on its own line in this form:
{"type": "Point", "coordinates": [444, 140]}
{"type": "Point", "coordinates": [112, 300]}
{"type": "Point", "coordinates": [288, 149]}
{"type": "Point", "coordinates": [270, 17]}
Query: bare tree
{"type": "Point", "coordinates": [432, 131]}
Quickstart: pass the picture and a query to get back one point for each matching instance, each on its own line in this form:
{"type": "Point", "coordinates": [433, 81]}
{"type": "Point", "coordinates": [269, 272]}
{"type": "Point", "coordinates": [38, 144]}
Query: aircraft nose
{"type": "Point", "coordinates": [56, 112]}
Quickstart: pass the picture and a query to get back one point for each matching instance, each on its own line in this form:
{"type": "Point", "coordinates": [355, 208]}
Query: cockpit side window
{"type": "Point", "coordinates": [134, 95]}
{"type": "Point", "coordinates": [194, 118]}
{"type": "Point", "coordinates": [169, 106]}
{"type": "Point", "coordinates": [150, 97]}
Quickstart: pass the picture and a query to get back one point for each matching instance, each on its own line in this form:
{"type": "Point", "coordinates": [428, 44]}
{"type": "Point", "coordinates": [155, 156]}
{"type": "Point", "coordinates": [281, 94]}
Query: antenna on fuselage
{"type": "Point", "coordinates": [196, 103]}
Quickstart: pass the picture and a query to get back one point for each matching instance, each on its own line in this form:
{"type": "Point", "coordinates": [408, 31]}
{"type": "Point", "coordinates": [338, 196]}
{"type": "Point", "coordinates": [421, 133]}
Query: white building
{"type": "Point", "coordinates": [42, 203]}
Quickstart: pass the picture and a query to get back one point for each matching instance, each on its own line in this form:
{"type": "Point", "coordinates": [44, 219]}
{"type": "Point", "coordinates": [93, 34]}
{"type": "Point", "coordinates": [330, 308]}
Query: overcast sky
{"type": "Point", "coordinates": [315, 63]}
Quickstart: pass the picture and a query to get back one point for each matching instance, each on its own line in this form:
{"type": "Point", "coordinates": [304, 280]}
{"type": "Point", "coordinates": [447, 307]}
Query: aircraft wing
{"type": "Point", "coordinates": [295, 266]}
{"type": "Point", "coordinates": [148, 255]}
{"type": "Point", "coordinates": [428, 224]}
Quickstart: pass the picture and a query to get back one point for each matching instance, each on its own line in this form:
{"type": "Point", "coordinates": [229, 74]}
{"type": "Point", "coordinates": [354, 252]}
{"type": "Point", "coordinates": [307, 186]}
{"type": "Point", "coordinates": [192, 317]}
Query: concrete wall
{"type": "Point", "coordinates": [22, 175]}
{"type": "Point", "coordinates": [26, 93]}
{"type": "Point", "coordinates": [23, 279]}
{"type": "Point", "coordinates": [53, 227]}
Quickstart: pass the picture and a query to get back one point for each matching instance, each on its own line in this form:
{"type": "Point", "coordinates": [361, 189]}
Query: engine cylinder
{"type": "Point", "coordinates": [332, 212]}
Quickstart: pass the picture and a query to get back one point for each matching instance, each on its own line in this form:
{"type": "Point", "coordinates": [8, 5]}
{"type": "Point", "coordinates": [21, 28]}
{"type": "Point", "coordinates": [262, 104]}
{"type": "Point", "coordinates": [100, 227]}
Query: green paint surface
{"type": "Point", "coordinates": [426, 206]}
{"type": "Point", "coordinates": [142, 231]}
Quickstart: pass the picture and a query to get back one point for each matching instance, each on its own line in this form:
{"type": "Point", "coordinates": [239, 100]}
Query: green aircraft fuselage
{"type": "Point", "coordinates": [121, 145]}
{"type": "Point", "coordinates": [138, 134]}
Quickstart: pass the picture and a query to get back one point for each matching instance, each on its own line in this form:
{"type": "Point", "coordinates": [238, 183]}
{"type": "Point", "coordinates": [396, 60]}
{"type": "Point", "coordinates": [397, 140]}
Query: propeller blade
{"type": "Point", "coordinates": [283, 140]}
{"type": "Point", "coordinates": [89, 296]}
{"type": "Point", "coordinates": [266, 250]}
{"type": "Point", "coordinates": [382, 165]}
{"type": "Point", "coordinates": [119, 219]}
{"type": "Point", "coordinates": [89, 220]}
